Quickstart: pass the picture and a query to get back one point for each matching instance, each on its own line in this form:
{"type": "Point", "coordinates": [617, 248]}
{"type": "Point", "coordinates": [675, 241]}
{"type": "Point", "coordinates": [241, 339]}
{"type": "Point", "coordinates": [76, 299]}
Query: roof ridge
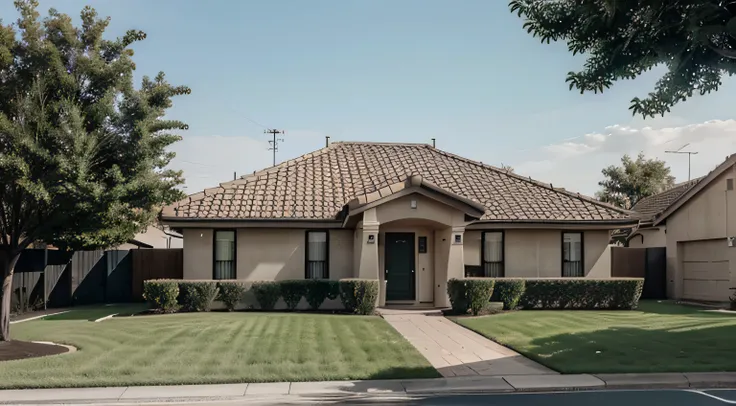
{"type": "Point", "coordinates": [535, 182]}
{"type": "Point", "coordinates": [407, 144]}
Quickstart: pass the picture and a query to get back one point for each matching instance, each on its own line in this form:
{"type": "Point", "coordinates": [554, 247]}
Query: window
{"type": "Point", "coordinates": [224, 255]}
{"type": "Point", "coordinates": [572, 254]}
{"type": "Point", "coordinates": [492, 254]}
{"type": "Point", "coordinates": [317, 266]}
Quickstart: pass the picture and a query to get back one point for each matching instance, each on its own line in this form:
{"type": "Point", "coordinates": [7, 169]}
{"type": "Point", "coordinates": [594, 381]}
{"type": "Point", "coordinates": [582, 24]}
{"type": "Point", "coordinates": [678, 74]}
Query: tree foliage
{"type": "Point", "coordinates": [621, 39]}
{"type": "Point", "coordinates": [83, 153]}
{"type": "Point", "coordinates": [634, 180]}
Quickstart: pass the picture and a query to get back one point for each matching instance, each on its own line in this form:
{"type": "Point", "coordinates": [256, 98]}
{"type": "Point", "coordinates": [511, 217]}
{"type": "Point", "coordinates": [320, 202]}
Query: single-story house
{"type": "Point", "coordinates": [411, 215]}
{"type": "Point", "coordinates": [696, 222]}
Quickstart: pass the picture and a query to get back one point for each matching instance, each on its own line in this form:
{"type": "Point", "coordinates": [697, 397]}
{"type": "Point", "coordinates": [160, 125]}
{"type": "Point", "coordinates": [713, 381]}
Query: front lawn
{"type": "Point", "coordinates": [215, 347]}
{"type": "Point", "coordinates": [659, 337]}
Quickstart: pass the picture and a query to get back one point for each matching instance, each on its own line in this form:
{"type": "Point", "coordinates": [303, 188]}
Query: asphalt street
{"type": "Point", "coordinates": [586, 398]}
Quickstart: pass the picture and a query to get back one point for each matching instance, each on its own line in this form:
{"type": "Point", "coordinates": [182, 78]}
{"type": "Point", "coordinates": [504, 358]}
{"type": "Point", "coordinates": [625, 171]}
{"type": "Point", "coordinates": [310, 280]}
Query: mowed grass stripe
{"type": "Point", "coordinates": [659, 337]}
{"type": "Point", "coordinates": [215, 348]}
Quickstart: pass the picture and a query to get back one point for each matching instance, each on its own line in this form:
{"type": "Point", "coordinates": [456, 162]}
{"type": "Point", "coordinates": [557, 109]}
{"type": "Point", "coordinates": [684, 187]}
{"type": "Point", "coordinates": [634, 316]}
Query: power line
{"type": "Point", "coordinates": [275, 142]}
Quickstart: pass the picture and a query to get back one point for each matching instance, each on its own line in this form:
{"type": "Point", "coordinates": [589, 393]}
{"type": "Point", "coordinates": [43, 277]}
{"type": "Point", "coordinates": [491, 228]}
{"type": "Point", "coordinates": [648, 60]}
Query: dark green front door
{"type": "Point", "coordinates": [399, 266]}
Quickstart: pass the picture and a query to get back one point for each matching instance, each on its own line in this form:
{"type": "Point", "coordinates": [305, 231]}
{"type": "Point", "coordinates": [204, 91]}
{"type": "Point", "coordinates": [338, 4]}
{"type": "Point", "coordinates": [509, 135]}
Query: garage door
{"type": "Point", "coordinates": [706, 273]}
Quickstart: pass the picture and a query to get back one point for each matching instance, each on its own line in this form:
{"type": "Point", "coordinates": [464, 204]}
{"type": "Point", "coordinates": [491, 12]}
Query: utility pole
{"type": "Point", "coordinates": [689, 155]}
{"type": "Point", "coordinates": [275, 142]}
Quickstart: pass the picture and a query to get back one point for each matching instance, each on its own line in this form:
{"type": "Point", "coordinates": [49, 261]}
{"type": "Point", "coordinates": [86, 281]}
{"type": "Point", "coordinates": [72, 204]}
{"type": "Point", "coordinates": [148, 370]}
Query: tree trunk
{"type": "Point", "coordinates": [8, 259]}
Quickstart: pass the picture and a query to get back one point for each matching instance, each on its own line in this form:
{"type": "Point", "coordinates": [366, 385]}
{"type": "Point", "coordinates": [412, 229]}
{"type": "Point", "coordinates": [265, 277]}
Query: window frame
{"type": "Point", "coordinates": [235, 252]}
{"type": "Point", "coordinates": [306, 253]}
{"type": "Point", "coordinates": [562, 253]}
{"type": "Point", "coordinates": [483, 251]}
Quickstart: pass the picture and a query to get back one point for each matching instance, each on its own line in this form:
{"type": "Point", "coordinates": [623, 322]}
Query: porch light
{"type": "Point", "coordinates": [371, 238]}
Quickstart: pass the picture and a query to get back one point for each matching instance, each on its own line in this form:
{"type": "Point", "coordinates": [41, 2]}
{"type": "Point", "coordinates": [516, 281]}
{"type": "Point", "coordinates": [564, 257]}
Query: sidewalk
{"type": "Point", "coordinates": [351, 389]}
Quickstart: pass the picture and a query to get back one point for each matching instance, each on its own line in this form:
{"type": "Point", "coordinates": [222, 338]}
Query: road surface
{"type": "Point", "coordinates": [715, 397]}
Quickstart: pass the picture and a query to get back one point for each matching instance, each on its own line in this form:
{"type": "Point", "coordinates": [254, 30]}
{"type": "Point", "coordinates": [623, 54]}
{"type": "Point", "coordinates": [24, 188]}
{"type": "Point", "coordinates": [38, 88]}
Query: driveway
{"type": "Point", "coordinates": [456, 351]}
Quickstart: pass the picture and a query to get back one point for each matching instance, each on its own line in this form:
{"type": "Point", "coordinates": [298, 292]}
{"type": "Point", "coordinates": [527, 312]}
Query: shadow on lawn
{"type": "Point", "coordinates": [669, 307]}
{"type": "Point", "coordinates": [701, 346]}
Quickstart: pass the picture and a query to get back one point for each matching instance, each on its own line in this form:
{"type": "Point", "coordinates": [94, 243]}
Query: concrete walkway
{"type": "Point", "coordinates": [456, 351]}
{"type": "Point", "coordinates": [343, 391]}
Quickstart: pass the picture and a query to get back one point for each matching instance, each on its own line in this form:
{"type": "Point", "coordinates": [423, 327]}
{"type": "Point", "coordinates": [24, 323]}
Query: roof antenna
{"type": "Point", "coordinates": [689, 155]}
{"type": "Point", "coordinates": [433, 143]}
{"type": "Point", "coordinates": [327, 141]}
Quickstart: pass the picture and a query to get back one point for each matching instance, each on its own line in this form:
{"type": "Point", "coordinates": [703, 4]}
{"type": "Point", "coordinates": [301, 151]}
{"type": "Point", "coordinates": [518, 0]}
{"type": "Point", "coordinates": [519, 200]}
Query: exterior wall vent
{"type": "Point", "coordinates": [729, 184]}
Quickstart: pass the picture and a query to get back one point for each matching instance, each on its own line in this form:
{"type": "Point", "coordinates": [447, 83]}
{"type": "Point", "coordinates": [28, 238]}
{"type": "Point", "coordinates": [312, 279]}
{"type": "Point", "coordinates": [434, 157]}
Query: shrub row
{"type": "Point", "coordinates": [357, 295]}
{"type": "Point", "coordinates": [558, 293]}
{"type": "Point", "coordinates": [573, 293]}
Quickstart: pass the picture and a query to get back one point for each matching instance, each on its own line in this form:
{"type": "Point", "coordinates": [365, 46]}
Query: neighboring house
{"type": "Point", "coordinates": [645, 235]}
{"type": "Point", "coordinates": [699, 234]}
{"type": "Point", "coordinates": [154, 237]}
{"type": "Point", "coordinates": [410, 215]}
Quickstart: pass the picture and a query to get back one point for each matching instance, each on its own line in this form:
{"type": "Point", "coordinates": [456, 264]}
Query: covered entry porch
{"type": "Point", "coordinates": [412, 242]}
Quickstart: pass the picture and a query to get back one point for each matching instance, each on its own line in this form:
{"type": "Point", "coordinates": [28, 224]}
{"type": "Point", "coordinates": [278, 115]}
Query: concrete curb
{"type": "Point", "coordinates": [108, 317]}
{"type": "Point", "coordinates": [38, 317]}
{"type": "Point", "coordinates": [379, 389]}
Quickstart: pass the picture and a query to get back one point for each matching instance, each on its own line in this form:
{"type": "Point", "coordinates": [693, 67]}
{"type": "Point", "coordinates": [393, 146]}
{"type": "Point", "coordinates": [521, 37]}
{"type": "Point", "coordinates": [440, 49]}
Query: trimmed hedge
{"type": "Point", "coordinates": [267, 294]}
{"type": "Point", "coordinates": [359, 295]}
{"type": "Point", "coordinates": [579, 293]}
{"type": "Point", "coordinates": [161, 294]}
{"type": "Point", "coordinates": [316, 291]}
{"type": "Point", "coordinates": [197, 296]}
{"type": "Point", "coordinates": [470, 294]}
{"type": "Point", "coordinates": [509, 292]}
{"type": "Point", "coordinates": [231, 293]}
{"type": "Point", "coordinates": [458, 296]}
{"type": "Point", "coordinates": [292, 292]}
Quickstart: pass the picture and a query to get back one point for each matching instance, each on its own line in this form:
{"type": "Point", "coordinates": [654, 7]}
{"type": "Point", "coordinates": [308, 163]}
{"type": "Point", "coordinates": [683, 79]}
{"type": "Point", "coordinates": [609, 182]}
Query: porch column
{"type": "Point", "coordinates": [449, 261]}
{"type": "Point", "coordinates": [368, 261]}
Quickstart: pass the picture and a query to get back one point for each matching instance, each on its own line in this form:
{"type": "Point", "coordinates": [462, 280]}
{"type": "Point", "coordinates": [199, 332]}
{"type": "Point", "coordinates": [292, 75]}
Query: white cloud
{"type": "Point", "coordinates": [576, 163]}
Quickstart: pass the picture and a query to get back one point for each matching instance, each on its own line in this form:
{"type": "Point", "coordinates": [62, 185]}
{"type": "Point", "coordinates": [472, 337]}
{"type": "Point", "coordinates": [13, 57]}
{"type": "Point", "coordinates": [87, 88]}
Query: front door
{"type": "Point", "coordinates": [399, 272]}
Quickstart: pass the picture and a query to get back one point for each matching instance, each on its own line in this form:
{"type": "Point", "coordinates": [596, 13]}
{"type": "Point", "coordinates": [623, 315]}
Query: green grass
{"type": "Point", "coordinates": [659, 337]}
{"type": "Point", "coordinates": [214, 347]}
{"type": "Point", "coordinates": [92, 313]}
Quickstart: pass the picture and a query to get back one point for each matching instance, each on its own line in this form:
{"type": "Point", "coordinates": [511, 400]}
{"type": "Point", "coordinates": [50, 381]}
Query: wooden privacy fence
{"type": "Point", "coordinates": [89, 277]}
{"type": "Point", "coordinates": [155, 264]}
{"type": "Point", "coordinates": [647, 263]}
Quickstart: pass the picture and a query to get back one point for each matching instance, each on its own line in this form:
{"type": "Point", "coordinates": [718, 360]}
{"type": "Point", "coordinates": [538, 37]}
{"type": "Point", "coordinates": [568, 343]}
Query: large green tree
{"type": "Point", "coordinates": [634, 180]}
{"type": "Point", "coordinates": [83, 153]}
{"type": "Point", "coordinates": [621, 39]}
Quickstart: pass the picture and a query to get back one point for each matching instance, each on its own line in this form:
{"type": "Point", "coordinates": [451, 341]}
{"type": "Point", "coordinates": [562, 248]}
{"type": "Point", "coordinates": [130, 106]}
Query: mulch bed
{"type": "Point", "coordinates": [11, 350]}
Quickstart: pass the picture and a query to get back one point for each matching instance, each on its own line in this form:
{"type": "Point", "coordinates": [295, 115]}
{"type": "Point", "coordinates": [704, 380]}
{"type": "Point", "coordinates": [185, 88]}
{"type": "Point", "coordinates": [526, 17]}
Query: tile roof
{"type": "Point", "coordinates": [319, 184]}
{"type": "Point", "coordinates": [655, 204]}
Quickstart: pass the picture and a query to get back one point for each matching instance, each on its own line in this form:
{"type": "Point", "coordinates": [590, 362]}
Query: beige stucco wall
{"type": "Point", "coordinates": [278, 254]}
{"type": "Point", "coordinates": [650, 237]}
{"type": "Point", "coordinates": [267, 254]}
{"type": "Point", "coordinates": [538, 253]}
{"type": "Point", "coordinates": [427, 209]}
{"type": "Point", "coordinates": [197, 253]}
{"type": "Point", "coordinates": [711, 214]}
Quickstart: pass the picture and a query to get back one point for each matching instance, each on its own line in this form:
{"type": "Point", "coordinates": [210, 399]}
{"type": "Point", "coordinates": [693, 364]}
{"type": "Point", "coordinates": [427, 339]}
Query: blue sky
{"type": "Point", "coordinates": [463, 72]}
